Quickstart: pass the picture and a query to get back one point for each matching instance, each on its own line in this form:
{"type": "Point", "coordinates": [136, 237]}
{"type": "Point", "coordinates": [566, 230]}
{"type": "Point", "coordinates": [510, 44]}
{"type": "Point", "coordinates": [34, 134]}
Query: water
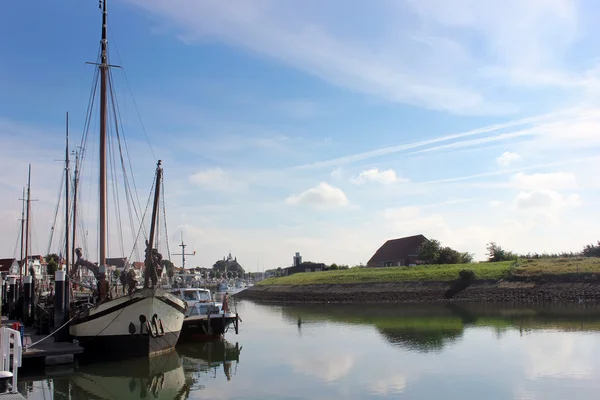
{"type": "Point", "coordinates": [362, 352]}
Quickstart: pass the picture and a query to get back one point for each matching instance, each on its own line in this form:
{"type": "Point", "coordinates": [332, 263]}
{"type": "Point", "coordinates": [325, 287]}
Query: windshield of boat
{"type": "Point", "coordinates": [196, 295]}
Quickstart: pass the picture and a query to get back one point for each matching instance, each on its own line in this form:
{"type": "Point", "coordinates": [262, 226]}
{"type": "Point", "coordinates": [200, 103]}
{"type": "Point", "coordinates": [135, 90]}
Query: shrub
{"type": "Point", "coordinates": [466, 274]}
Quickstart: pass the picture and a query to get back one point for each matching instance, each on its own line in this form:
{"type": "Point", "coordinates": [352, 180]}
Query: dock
{"type": "Point", "coordinates": [47, 352]}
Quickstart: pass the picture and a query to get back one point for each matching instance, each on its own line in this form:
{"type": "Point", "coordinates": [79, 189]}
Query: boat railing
{"type": "Point", "coordinates": [8, 336]}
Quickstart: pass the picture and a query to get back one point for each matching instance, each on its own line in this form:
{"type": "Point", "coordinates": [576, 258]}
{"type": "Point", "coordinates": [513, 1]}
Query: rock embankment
{"type": "Point", "coordinates": [426, 292]}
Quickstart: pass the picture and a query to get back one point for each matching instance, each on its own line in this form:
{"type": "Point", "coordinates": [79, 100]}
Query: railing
{"type": "Point", "coordinates": [7, 336]}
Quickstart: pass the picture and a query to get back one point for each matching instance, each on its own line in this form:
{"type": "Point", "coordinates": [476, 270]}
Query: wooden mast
{"type": "Point", "coordinates": [27, 220]}
{"type": "Point", "coordinates": [67, 198]}
{"type": "Point", "coordinates": [22, 236]}
{"type": "Point", "coordinates": [74, 221]}
{"type": "Point", "coordinates": [149, 245]}
{"type": "Point", "coordinates": [103, 125]}
{"type": "Point", "coordinates": [67, 296]}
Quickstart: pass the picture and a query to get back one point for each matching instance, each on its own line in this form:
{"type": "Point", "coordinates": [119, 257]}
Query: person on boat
{"type": "Point", "coordinates": [103, 288]}
{"type": "Point", "coordinates": [123, 279]}
{"type": "Point", "coordinates": [131, 281]}
{"type": "Point", "coordinates": [226, 303]}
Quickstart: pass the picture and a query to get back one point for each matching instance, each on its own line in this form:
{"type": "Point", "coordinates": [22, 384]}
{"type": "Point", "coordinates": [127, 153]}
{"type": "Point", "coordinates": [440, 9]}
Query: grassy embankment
{"type": "Point", "coordinates": [523, 269]}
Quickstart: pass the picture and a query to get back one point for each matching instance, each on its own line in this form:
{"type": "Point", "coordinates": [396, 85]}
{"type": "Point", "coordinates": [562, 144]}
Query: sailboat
{"type": "Point", "coordinates": [144, 321]}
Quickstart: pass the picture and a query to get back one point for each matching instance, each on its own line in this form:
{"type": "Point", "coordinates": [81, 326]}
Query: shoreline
{"type": "Point", "coordinates": [427, 292]}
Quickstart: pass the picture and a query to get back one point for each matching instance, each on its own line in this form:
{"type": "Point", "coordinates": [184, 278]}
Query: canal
{"type": "Point", "coordinates": [332, 351]}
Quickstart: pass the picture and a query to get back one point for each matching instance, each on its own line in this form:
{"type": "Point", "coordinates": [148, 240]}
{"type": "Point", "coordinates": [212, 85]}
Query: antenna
{"type": "Point", "coordinates": [183, 253]}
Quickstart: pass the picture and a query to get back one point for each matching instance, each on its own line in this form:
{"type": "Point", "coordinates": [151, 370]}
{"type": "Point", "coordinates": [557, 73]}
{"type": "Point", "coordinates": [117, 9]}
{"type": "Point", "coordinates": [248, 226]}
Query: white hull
{"type": "Point", "coordinates": [146, 322]}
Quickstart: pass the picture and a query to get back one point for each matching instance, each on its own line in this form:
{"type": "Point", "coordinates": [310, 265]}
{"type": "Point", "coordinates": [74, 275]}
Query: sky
{"type": "Point", "coordinates": [319, 128]}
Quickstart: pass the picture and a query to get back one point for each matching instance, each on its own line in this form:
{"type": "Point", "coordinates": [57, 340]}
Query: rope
{"type": "Point", "coordinates": [50, 335]}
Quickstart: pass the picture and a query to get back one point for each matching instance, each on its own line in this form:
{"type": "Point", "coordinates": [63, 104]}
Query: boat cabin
{"type": "Point", "coordinates": [199, 301]}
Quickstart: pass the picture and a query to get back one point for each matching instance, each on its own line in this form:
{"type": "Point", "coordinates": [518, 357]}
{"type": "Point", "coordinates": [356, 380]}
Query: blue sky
{"type": "Point", "coordinates": [325, 129]}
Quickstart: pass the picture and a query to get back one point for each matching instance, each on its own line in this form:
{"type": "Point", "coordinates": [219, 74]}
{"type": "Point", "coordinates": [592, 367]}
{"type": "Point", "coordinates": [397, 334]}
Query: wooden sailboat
{"type": "Point", "coordinates": [145, 321]}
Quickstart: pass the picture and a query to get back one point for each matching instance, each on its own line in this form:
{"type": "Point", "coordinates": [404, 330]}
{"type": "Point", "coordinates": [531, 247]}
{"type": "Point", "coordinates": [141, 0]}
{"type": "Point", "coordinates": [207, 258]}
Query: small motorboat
{"type": "Point", "coordinates": [205, 318]}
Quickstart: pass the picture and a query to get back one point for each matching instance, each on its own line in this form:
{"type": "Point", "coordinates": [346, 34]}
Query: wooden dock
{"type": "Point", "coordinates": [47, 352]}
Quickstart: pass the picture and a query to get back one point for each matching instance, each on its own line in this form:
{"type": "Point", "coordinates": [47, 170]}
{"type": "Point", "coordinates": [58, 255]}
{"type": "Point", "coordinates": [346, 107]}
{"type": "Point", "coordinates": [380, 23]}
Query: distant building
{"type": "Point", "coordinates": [300, 266]}
{"type": "Point", "coordinates": [398, 252]}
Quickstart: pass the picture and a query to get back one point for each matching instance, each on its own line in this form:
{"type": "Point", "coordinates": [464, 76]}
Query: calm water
{"type": "Point", "coordinates": [362, 352]}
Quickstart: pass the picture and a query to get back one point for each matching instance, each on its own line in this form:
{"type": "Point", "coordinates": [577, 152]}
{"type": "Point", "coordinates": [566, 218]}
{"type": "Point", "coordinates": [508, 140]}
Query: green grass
{"type": "Point", "coordinates": [394, 274]}
{"type": "Point", "coordinates": [491, 271]}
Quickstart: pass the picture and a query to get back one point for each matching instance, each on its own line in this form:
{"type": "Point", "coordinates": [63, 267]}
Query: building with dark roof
{"type": "Point", "coordinates": [398, 252]}
{"type": "Point", "coordinates": [117, 262]}
{"type": "Point", "coordinates": [9, 265]}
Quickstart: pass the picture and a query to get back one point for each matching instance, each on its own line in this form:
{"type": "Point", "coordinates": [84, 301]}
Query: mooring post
{"type": "Point", "coordinates": [27, 300]}
{"type": "Point", "coordinates": [12, 286]}
{"type": "Point", "coordinates": [59, 304]}
{"type": "Point", "coordinates": [32, 301]}
{"type": "Point", "coordinates": [2, 292]}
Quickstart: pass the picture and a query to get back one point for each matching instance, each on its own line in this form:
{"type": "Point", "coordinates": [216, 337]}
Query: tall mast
{"type": "Point", "coordinates": [103, 123]}
{"type": "Point", "coordinates": [67, 198]}
{"type": "Point", "coordinates": [150, 243]}
{"type": "Point", "coordinates": [75, 184]}
{"type": "Point", "coordinates": [27, 219]}
{"type": "Point", "coordinates": [22, 235]}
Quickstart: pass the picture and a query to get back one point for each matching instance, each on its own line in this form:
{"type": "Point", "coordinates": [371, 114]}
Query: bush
{"type": "Point", "coordinates": [466, 274]}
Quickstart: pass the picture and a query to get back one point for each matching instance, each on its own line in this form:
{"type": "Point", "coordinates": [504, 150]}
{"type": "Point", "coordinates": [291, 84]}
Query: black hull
{"type": "Point", "coordinates": [128, 345]}
{"type": "Point", "coordinates": [204, 328]}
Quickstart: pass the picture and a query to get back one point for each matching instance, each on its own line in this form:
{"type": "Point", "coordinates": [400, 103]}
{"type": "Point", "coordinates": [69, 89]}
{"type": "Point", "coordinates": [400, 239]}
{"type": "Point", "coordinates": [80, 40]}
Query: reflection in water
{"type": "Point", "coordinates": [429, 327]}
{"type": "Point", "coordinates": [172, 375]}
{"type": "Point", "coordinates": [442, 351]}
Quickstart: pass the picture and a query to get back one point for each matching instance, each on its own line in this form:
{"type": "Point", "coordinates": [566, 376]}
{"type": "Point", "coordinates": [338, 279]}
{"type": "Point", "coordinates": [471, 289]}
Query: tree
{"type": "Point", "coordinates": [333, 267]}
{"type": "Point", "coordinates": [52, 260]}
{"type": "Point", "coordinates": [429, 251]}
{"type": "Point", "coordinates": [497, 253]}
{"type": "Point", "coordinates": [591, 251]}
{"type": "Point", "coordinates": [211, 274]}
{"type": "Point", "coordinates": [218, 274]}
{"type": "Point", "coordinates": [466, 258]}
{"type": "Point", "coordinates": [447, 255]}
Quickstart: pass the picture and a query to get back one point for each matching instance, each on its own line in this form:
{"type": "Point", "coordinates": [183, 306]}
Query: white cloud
{"type": "Point", "coordinates": [216, 179]}
{"type": "Point", "coordinates": [545, 200]}
{"type": "Point", "coordinates": [507, 158]}
{"type": "Point", "coordinates": [337, 173]}
{"type": "Point", "coordinates": [380, 176]}
{"type": "Point", "coordinates": [548, 181]}
{"type": "Point", "coordinates": [323, 196]}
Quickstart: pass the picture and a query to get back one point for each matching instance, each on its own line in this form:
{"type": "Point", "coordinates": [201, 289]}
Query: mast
{"type": "Point", "coordinates": [67, 296]}
{"type": "Point", "coordinates": [27, 219]}
{"type": "Point", "coordinates": [103, 123]}
{"type": "Point", "coordinates": [67, 198]}
{"type": "Point", "coordinates": [22, 234]}
{"type": "Point", "coordinates": [150, 242]}
{"type": "Point", "coordinates": [183, 253]}
{"type": "Point", "coordinates": [75, 184]}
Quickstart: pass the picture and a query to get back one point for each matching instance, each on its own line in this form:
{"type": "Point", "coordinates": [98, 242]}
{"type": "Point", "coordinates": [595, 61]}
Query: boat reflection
{"type": "Point", "coordinates": [171, 375]}
{"type": "Point", "coordinates": [158, 377]}
{"type": "Point", "coordinates": [204, 359]}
